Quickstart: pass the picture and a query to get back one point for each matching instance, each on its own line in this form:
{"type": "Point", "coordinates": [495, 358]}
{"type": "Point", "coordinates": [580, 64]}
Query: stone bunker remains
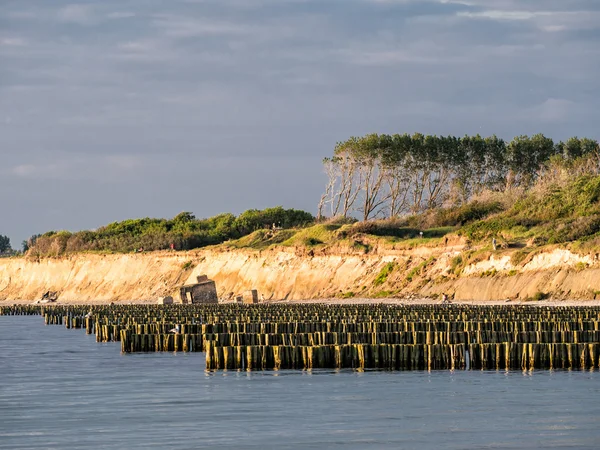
{"type": "Point", "coordinates": [203, 291]}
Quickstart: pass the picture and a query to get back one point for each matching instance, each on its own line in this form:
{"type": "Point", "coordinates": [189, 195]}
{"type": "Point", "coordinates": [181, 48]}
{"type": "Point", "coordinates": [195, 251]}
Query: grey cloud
{"type": "Point", "coordinates": [144, 107]}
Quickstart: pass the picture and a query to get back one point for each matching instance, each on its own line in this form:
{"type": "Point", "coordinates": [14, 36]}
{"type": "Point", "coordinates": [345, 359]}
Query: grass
{"type": "Point", "coordinates": [418, 269]}
{"type": "Point", "coordinates": [188, 265]}
{"type": "Point", "coordinates": [538, 296]}
{"type": "Point", "coordinates": [456, 264]}
{"type": "Point", "coordinates": [384, 273]}
{"type": "Point", "coordinates": [554, 215]}
{"type": "Point", "coordinates": [384, 294]}
{"type": "Point", "coordinates": [314, 235]}
{"type": "Point", "coordinates": [518, 257]}
{"type": "Point", "coordinates": [261, 239]}
{"type": "Point", "coordinates": [546, 215]}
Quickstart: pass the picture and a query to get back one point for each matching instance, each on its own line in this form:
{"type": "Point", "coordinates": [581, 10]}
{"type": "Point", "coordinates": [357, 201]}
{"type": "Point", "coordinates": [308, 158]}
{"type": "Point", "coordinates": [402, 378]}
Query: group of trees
{"type": "Point", "coordinates": [5, 244]}
{"type": "Point", "coordinates": [384, 176]}
{"type": "Point", "coordinates": [184, 232]}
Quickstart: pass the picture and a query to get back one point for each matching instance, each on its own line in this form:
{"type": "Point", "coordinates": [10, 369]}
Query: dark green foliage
{"type": "Point", "coordinates": [254, 219]}
{"type": "Point", "coordinates": [467, 213]}
{"type": "Point", "coordinates": [184, 232]}
{"type": "Point", "coordinates": [311, 241]}
{"type": "Point", "coordinates": [4, 244]}
{"type": "Point", "coordinates": [385, 228]}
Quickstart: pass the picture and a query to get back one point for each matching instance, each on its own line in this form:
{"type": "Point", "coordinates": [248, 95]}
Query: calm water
{"type": "Point", "coordinates": [60, 389]}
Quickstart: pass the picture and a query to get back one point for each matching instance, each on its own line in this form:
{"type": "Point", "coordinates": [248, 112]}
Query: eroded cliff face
{"type": "Point", "coordinates": [276, 274]}
{"type": "Point", "coordinates": [288, 273]}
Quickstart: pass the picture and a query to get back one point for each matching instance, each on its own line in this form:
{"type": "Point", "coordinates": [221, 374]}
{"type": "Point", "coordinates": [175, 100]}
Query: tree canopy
{"type": "Point", "coordinates": [380, 175]}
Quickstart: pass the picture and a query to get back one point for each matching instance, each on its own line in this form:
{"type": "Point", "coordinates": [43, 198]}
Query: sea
{"type": "Point", "coordinates": [59, 389]}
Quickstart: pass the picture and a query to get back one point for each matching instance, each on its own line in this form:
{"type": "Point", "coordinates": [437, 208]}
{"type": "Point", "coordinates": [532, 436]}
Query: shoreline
{"type": "Point", "coordinates": [407, 301]}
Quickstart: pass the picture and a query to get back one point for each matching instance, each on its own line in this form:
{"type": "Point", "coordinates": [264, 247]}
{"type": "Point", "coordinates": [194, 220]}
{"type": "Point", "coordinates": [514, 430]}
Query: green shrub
{"type": "Point", "coordinates": [384, 273]}
{"type": "Point", "coordinates": [418, 269]}
{"type": "Point", "coordinates": [390, 227]}
{"type": "Point", "coordinates": [518, 257]}
{"type": "Point", "coordinates": [184, 232]}
{"type": "Point", "coordinates": [360, 246]}
{"type": "Point", "coordinates": [311, 241]}
{"type": "Point", "coordinates": [467, 213]}
{"type": "Point", "coordinates": [455, 264]}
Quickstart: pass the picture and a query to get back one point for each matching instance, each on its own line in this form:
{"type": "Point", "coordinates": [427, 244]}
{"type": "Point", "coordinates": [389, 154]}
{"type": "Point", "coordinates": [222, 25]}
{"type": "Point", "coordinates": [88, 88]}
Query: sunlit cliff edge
{"type": "Point", "coordinates": [299, 273]}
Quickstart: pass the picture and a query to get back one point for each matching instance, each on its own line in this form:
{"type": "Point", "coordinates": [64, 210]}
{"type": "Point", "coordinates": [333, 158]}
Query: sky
{"type": "Point", "coordinates": [116, 109]}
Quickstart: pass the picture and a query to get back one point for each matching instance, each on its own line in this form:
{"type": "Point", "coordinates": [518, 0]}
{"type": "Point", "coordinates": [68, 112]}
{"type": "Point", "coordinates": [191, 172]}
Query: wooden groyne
{"type": "Point", "coordinates": [392, 337]}
{"type": "Point", "coordinates": [20, 310]}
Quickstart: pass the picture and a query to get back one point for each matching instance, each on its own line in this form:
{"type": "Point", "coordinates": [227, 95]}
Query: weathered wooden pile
{"type": "Point", "coordinates": [259, 337]}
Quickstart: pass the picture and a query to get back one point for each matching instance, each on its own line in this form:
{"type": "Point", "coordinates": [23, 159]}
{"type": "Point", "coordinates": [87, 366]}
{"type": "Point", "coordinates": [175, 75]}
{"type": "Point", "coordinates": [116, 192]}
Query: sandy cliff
{"type": "Point", "coordinates": [288, 273]}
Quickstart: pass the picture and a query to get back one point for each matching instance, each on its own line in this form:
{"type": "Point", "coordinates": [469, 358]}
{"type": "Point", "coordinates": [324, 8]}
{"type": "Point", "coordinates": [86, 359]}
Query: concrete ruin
{"type": "Point", "coordinates": [203, 291]}
{"type": "Point", "coordinates": [168, 300]}
{"type": "Point", "coordinates": [250, 297]}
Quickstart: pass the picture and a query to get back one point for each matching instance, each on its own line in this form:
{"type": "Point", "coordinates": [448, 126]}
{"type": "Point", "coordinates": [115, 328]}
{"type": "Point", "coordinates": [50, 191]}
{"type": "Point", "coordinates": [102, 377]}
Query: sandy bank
{"type": "Point", "coordinates": [295, 274]}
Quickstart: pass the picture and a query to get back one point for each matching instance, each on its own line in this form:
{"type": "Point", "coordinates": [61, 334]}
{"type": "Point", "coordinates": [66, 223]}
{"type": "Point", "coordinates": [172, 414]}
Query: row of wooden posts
{"type": "Point", "coordinates": [407, 357]}
{"type": "Point", "coordinates": [138, 342]}
{"type": "Point", "coordinates": [259, 337]}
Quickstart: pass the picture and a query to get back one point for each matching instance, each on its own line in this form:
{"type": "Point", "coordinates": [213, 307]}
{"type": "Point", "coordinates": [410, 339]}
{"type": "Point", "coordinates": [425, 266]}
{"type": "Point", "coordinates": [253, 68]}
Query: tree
{"type": "Point", "coordinates": [344, 189]}
{"type": "Point", "coordinates": [526, 155]}
{"type": "Point", "coordinates": [397, 176]}
{"type": "Point", "coordinates": [382, 175]}
{"type": "Point", "coordinates": [5, 244]}
{"type": "Point", "coordinates": [367, 152]}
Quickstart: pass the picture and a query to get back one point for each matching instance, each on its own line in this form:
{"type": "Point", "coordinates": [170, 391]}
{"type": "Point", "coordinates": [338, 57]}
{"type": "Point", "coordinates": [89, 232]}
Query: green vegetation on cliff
{"type": "Point", "coordinates": [409, 190]}
{"type": "Point", "coordinates": [184, 232]}
{"type": "Point", "coordinates": [557, 211]}
{"type": "Point", "coordinates": [551, 215]}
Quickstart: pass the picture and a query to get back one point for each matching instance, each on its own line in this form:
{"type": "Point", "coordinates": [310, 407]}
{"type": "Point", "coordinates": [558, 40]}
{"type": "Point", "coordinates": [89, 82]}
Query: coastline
{"type": "Point", "coordinates": [407, 301]}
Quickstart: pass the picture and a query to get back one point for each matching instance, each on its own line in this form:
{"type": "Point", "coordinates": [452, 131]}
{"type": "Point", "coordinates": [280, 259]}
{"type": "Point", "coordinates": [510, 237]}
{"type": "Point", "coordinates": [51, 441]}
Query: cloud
{"type": "Point", "coordinates": [555, 109]}
{"type": "Point", "coordinates": [388, 57]}
{"type": "Point", "coordinates": [186, 27]}
{"type": "Point", "coordinates": [121, 15]}
{"type": "Point", "coordinates": [80, 167]}
{"type": "Point", "coordinates": [27, 170]}
{"type": "Point", "coordinates": [502, 15]}
{"type": "Point", "coordinates": [137, 46]}
{"type": "Point", "coordinates": [13, 42]}
{"type": "Point", "coordinates": [135, 90]}
{"type": "Point", "coordinates": [76, 13]}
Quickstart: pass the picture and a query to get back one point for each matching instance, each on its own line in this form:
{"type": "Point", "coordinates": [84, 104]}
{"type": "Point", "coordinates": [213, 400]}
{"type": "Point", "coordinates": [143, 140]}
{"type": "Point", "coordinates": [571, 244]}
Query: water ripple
{"type": "Point", "coordinates": [60, 389]}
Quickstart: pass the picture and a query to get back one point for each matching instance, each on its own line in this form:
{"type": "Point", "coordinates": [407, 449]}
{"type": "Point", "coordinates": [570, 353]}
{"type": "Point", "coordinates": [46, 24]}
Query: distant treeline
{"type": "Point", "coordinates": [5, 244]}
{"type": "Point", "coordinates": [384, 176]}
{"type": "Point", "coordinates": [183, 232]}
